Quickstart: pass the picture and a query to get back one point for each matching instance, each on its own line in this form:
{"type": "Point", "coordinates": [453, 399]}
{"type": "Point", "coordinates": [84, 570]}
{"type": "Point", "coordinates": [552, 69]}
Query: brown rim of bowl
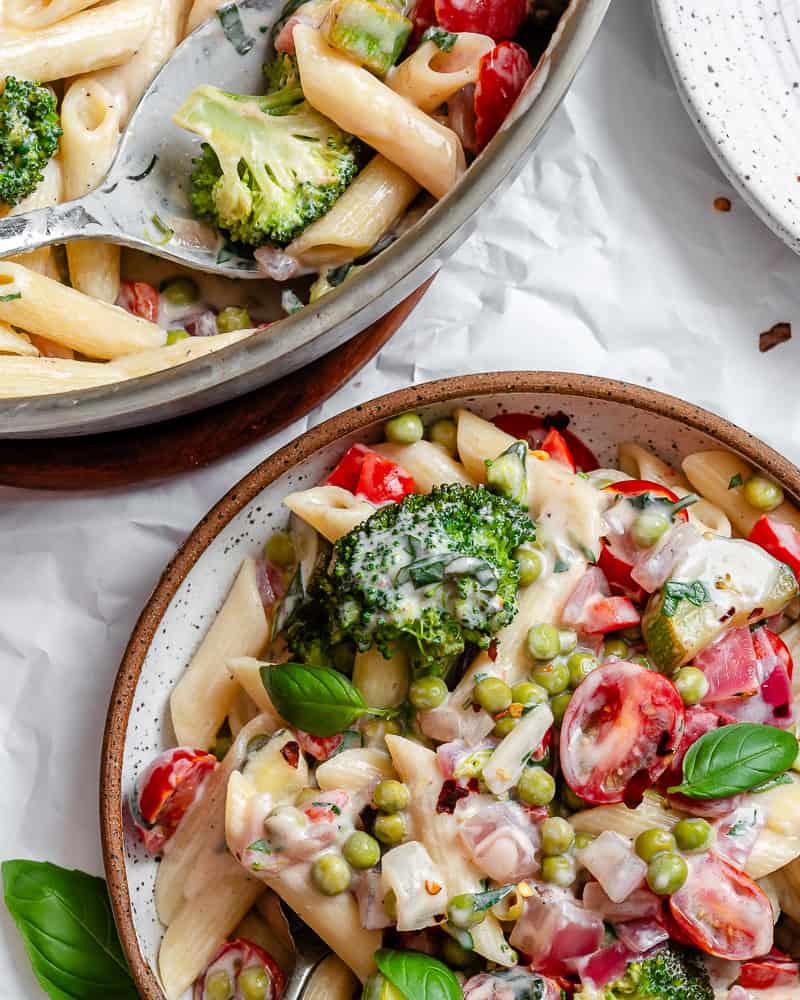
{"type": "Point", "coordinates": [265, 473]}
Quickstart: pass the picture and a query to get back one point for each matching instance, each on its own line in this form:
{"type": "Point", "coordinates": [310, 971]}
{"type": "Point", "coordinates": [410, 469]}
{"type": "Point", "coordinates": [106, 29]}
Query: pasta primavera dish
{"type": "Point", "coordinates": [497, 724]}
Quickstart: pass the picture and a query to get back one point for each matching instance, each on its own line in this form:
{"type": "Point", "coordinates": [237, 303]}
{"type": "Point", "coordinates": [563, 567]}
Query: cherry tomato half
{"type": "Point", "coordinates": [775, 969]}
{"type": "Point", "coordinates": [722, 910]}
{"type": "Point", "coordinates": [499, 19]}
{"type": "Point", "coordinates": [139, 298]}
{"type": "Point", "coordinates": [235, 963]}
{"type": "Point", "coordinates": [366, 473]}
{"type": "Point", "coordinates": [165, 791]}
{"type": "Point", "coordinates": [318, 747]}
{"type": "Point", "coordinates": [781, 541]}
{"type": "Point", "coordinates": [534, 430]}
{"type": "Point", "coordinates": [501, 76]}
{"type": "Point", "coordinates": [557, 448]}
{"type": "Point", "coordinates": [640, 487]}
{"type": "Point", "coordinates": [620, 729]}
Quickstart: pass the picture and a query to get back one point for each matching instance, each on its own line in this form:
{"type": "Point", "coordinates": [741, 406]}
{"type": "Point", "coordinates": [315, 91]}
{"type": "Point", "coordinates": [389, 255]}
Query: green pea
{"type": "Point", "coordinates": [254, 983]}
{"type": "Point", "coordinates": [536, 786]}
{"type": "Point", "coordinates": [567, 640]}
{"type": "Point", "coordinates": [504, 726]}
{"type": "Point", "coordinates": [692, 834]}
{"type": "Point", "coordinates": [390, 828]}
{"type": "Point", "coordinates": [531, 565]}
{"type": "Point", "coordinates": [390, 796]}
{"type": "Point", "coordinates": [493, 695]}
{"type": "Point", "coordinates": [655, 841]}
{"type": "Point", "coordinates": [691, 684]}
{"type": "Point", "coordinates": [559, 870]}
{"type": "Point", "coordinates": [218, 986]}
{"type": "Point", "coordinates": [376, 730]}
{"type": "Point", "coordinates": [666, 873]}
{"type": "Point", "coordinates": [443, 432]}
{"type": "Point", "coordinates": [378, 987]}
{"type": "Point", "coordinates": [361, 851]}
{"type": "Point", "coordinates": [461, 912]}
{"type": "Point", "coordinates": [615, 649]}
{"type": "Point", "coordinates": [331, 874]}
{"type": "Point", "coordinates": [233, 318]}
{"type": "Point", "coordinates": [553, 677]}
{"type": "Point", "coordinates": [762, 494]}
{"type": "Point", "coordinates": [280, 549]}
{"type": "Point", "coordinates": [173, 336]}
{"type": "Point", "coordinates": [506, 476]}
{"type": "Point", "coordinates": [559, 705]}
{"type": "Point", "coordinates": [180, 291]}
{"type": "Point", "coordinates": [643, 661]}
{"type": "Point", "coordinates": [543, 641]}
{"type": "Point", "coordinates": [426, 693]}
{"type": "Point", "coordinates": [390, 904]}
{"type": "Point", "coordinates": [404, 429]}
{"type": "Point", "coordinates": [583, 840]}
{"type": "Point", "coordinates": [557, 836]}
{"type": "Point", "coordinates": [454, 955]}
{"type": "Point", "coordinates": [580, 665]}
{"type": "Point", "coordinates": [648, 527]}
{"type": "Point", "coordinates": [571, 800]}
{"type": "Point", "coordinates": [528, 694]}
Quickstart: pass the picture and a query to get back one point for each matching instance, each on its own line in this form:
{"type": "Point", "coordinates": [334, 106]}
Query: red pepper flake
{"type": "Point", "coordinates": [432, 888]}
{"type": "Point", "coordinates": [492, 650]}
{"type": "Point", "coordinates": [722, 204]}
{"type": "Point", "coordinates": [291, 753]}
{"type": "Point", "coordinates": [777, 334]}
{"type": "Point", "coordinates": [452, 792]}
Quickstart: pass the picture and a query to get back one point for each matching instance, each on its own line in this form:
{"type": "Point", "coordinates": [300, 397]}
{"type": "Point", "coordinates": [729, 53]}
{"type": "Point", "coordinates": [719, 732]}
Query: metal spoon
{"type": "Point", "coordinates": [309, 950]}
{"type": "Point", "coordinates": [143, 201]}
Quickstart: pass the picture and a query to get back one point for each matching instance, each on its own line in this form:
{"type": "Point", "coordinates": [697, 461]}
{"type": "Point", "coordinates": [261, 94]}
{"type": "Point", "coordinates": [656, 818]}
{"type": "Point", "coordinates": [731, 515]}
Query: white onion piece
{"type": "Point", "coordinates": [641, 936]}
{"type": "Point", "coordinates": [276, 264]}
{"type": "Point", "coordinates": [417, 883]}
{"type": "Point", "coordinates": [499, 837]}
{"type": "Point", "coordinates": [613, 862]}
{"type": "Point", "coordinates": [507, 763]}
{"type": "Point", "coordinates": [737, 833]}
{"type": "Point", "coordinates": [657, 563]}
{"type": "Point", "coordinates": [370, 902]}
{"type": "Point", "coordinates": [640, 905]}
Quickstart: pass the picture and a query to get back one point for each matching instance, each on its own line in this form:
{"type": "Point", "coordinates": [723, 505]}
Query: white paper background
{"type": "Point", "coordinates": [605, 257]}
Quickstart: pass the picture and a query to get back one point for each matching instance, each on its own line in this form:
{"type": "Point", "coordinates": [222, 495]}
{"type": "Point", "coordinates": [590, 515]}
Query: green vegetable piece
{"type": "Point", "coordinates": [734, 759]}
{"type": "Point", "coordinates": [530, 566]}
{"type": "Point", "coordinates": [406, 428]}
{"type": "Point", "coordinates": [233, 318]}
{"type": "Point", "coordinates": [462, 911]}
{"type": "Point", "coordinates": [762, 493]}
{"type": "Point", "coordinates": [418, 976]}
{"type": "Point", "coordinates": [378, 987]}
{"type": "Point", "coordinates": [559, 870]}
{"type": "Point", "coordinates": [655, 841]}
{"type": "Point", "coordinates": [443, 40]}
{"type": "Point", "coordinates": [580, 665]}
{"type": "Point", "coordinates": [615, 649]}
{"type": "Point", "coordinates": [648, 527]}
{"type": "Point", "coordinates": [666, 873]}
{"type": "Point", "coordinates": [456, 956]}
{"type": "Point", "coordinates": [331, 874]}
{"type": "Point", "coordinates": [673, 973]}
{"type": "Point", "coordinates": [443, 432]}
{"type": "Point", "coordinates": [219, 985]}
{"type": "Point", "coordinates": [527, 693]}
{"type": "Point", "coordinates": [553, 677]}
{"type": "Point", "coordinates": [691, 684]}
{"type": "Point", "coordinates": [390, 796]}
{"type": "Point", "coordinates": [180, 291]}
{"type": "Point", "coordinates": [504, 726]}
{"type": "Point", "coordinates": [506, 475]}
{"type": "Point", "coordinates": [693, 834]}
{"type": "Point", "coordinates": [361, 851]}
{"type": "Point", "coordinates": [426, 693]}
{"type": "Point", "coordinates": [254, 983]}
{"type": "Point", "coordinates": [68, 929]}
{"type": "Point", "coordinates": [29, 135]}
{"type": "Point", "coordinates": [371, 33]}
{"type": "Point", "coordinates": [559, 705]}
{"type": "Point", "coordinates": [173, 336]}
{"type": "Point", "coordinates": [557, 836]}
{"type": "Point", "coordinates": [536, 786]}
{"type": "Point", "coordinates": [583, 840]}
{"type": "Point", "coordinates": [390, 828]}
{"type": "Point", "coordinates": [543, 641]}
{"type": "Point", "coordinates": [280, 549]}
{"type": "Point", "coordinates": [493, 695]}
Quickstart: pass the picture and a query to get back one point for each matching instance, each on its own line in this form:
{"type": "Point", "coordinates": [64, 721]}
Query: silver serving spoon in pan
{"type": "Point", "coordinates": [142, 202]}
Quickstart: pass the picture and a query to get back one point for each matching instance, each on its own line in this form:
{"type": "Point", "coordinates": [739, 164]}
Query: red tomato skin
{"type": "Point", "coordinates": [501, 76]}
{"type": "Point", "coordinates": [557, 448]}
{"type": "Point", "coordinates": [636, 487]}
{"type": "Point", "coordinates": [775, 969]}
{"type": "Point", "coordinates": [620, 688]}
{"type": "Point", "coordinates": [348, 469]}
{"type": "Point", "coordinates": [166, 790]}
{"type": "Point", "coordinates": [248, 954]}
{"type": "Point", "coordinates": [533, 429]}
{"type": "Point", "coordinates": [709, 874]}
{"type": "Point", "coordinates": [500, 19]}
{"type": "Point", "coordinates": [766, 641]}
{"type": "Point", "coordinates": [698, 720]}
{"type": "Point", "coordinates": [781, 541]}
{"type": "Point", "coordinates": [382, 480]}
{"type": "Point", "coordinates": [618, 574]}
{"type": "Point", "coordinates": [423, 17]}
{"type": "Point", "coordinates": [318, 747]}
{"type": "Point", "coordinates": [609, 614]}
{"type": "Point", "coordinates": [139, 298]}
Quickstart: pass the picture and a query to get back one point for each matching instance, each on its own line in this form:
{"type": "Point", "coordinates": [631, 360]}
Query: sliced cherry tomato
{"type": "Point", "coordinates": [591, 610]}
{"type": "Point", "coordinates": [617, 571]}
{"type": "Point", "coordinates": [730, 666]}
{"type": "Point", "coordinates": [533, 429]}
{"type": "Point", "coordinates": [557, 448]}
{"type": "Point", "coordinates": [423, 17]}
{"type": "Point", "coordinates": [775, 969]}
{"type": "Point", "coordinates": [370, 475]}
{"type": "Point", "coordinates": [722, 910]}
{"type": "Point", "coordinates": [139, 298]}
{"type": "Point", "coordinates": [621, 728]}
{"type": "Point", "coordinates": [781, 541]}
{"type": "Point", "coordinates": [499, 19]}
{"type": "Point", "coordinates": [501, 76]}
{"type": "Point", "coordinates": [640, 487]}
{"type": "Point", "coordinates": [318, 747]}
{"type": "Point", "coordinates": [768, 645]}
{"type": "Point", "coordinates": [165, 791]}
{"type": "Point", "coordinates": [762, 664]}
{"type": "Point", "coordinates": [233, 959]}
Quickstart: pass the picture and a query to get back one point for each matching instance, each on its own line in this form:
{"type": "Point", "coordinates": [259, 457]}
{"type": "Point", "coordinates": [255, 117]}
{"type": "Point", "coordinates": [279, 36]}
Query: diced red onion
{"type": "Point", "coordinates": [554, 927]}
{"type": "Point", "coordinates": [641, 936]}
{"type": "Point", "coordinates": [447, 723]}
{"type": "Point", "coordinates": [739, 993]}
{"type": "Point", "coordinates": [204, 324]}
{"type": "Point", "coordinates": [656, 564]}
{"type": "Point", "coordinates": [499, 837]}
{"type": "Point", "coordinates": [641, 904]}
{"type": "Point", "coordinates": [612, 861]}
{"type": "Point", "coordinates": [272, 262]}
{"type": "Point", "coordinates": [592, 584]}
{"type": "Point", "coordinates": [370, 902]}
{"type": "Point", "coordinates": [270, 582]}
{"type": "Point", "coordinates": [603, 967]}
{"type": "Point", "coordinates": [516, 982]}
{"type": "Point", "coordinates": [284, 42]}
{"type": "Point", "coordinates": [461, 116]}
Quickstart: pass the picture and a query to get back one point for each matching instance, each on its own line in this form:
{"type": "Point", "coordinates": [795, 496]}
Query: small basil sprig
{"type": "Point", "coordinates": [65, 920]}
{"type": "Point", "coordinates": [735, 759]}
{"type": "Point", "coordinates": [418, 976]}
{"type": "Point", "coordinates": [444, 40]}
{"type": "Point", "coordinates": [318, 700]}
{"type": "Point", "coordinates": [675, 592]}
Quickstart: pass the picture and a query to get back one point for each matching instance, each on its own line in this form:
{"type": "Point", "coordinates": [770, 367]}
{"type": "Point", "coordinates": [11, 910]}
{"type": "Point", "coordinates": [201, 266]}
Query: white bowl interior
{"type": "Point", "coordinates": [600, 423]}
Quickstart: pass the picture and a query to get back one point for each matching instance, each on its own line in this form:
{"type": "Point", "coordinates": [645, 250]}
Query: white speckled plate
{"type": "Point", "coordinates": [602, 412]}
{"type": "Point", "coordinates": [736, 64]}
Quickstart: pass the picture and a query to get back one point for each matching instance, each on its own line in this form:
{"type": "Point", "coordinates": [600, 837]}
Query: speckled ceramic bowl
{"type": "Point", "coordinates": [194, 584]}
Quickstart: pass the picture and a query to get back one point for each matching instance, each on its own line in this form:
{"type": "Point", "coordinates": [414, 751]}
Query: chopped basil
{"type": "Point", "coordinates": [261, 846]}
{"type": "Point", "coordinates": [444, 40]}
{"type": "Point", "coordinates": [735, 481]}
{"type": "Point", "coordinates": [231, 21]}
{"type": "Point", "coordinates": [742, 826]}
{"type": "Point", "coordinates": [290, 303]}
{"type": "Point", "coordinates": [11, 297]}
{"type": "Point", "coordinates": [675, 592]}
{"type": "Point", "coordinates": [560, 565]}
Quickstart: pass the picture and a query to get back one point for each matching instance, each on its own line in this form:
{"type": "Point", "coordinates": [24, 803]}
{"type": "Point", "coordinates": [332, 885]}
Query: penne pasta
{"type": "Point", "coordinates": [201, 11]}
{"type": "Point", "coordinates": [330, 509]}
{"type": "Point", "coordinates": [246, 670]}
{"type": "Point", "coordinates": [259, 928]}
{"type": "Point", "coordinates": [355, 770]}
{"type": "Point", "coordinates": [32, 14]}
{"type": "Point", "coordinates": [331, 980]}
{"type": "Point", "coordinates": [48, 193]}
{"type": "Point", "coordinates": [382, 683]}
{"type": "Point", "coordinates": [429, 464]}
{"type": "Point", "coordinates": [429, 76]}
{"type": "Point", "coordinates": [12, 342]}
{"type": "Point", "coordinates": [359, 103]}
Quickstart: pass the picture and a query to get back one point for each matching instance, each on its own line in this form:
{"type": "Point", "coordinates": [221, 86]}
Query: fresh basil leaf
{"type": "Point", "coordinates": [444, 40]}
{"type": "Point", "coordinates": [675, 592]}
{"type": "Point", "coordinates": [742, 825]}
{"type": "Point", "coordinates": [261, 846]}
{"type": "Point", "coordinates": [65, 920]}
{"type": "Point", "coordinates": [418, 976]}
{"type": "Point", "coordinates": [734, 759]}
{"type": "Point", "coordinates": [735, 481]}
{"type": "Point", "coordinates": [318, 700]}
{"type": "Point", "coordinates": [486, 900]}
{"type": "Point", "coordinates": [231, 21]}
{"type": "Point", "coordinates": [10, 297]}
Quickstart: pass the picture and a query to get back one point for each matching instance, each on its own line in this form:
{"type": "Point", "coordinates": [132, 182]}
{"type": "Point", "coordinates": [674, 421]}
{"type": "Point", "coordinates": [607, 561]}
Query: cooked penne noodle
{"type": "Point", "coordinates": [255, 928]}
{"type": "Point", "coordinates": [429, 76]}
{"type": "Point", "coordinates": [242, 711]}
{"type": "Point", "coordinates": [359, 103]}
{"type": "Point", "coordinates": [32, 14]}
{"type": "Point", "coordinates": [205, 694]}
{"type": "Point", "coordinates": [87, 41]}
{"type": "Point", "coordinates": [331, 980]}
{"type": "Point", "coordinates": [382, 683]}
{"type": "Point", "coordinates": [247, 671]}
{"type": "Point", "coordinates": [366, 211]}
{"type": "Point", "coordinates": [201, 11]}
{"type": "Point", "coordinates": [12, 342]}
{"type": "Point", "coordinates": [355, 770]}
{"type": "Point", "coordinates": [429, 464]}
{"type": "Point", "coordinates": [48, 193]}
{"type": "Point", "coordinates": [269, 908]}
{"type": "Point", "coordinates": [330, 509]}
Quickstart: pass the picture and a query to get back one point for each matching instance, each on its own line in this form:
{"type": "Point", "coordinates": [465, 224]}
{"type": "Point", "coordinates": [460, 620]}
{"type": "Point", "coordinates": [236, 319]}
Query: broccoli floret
{"type": "Point", "coordinates": [29, 134]}
{"type": "Point", "coordinates": [672, 974]}
{"type": "Point", "coordinates": [281, 73]}
{"type": "Point", "coordinates": [270, 165]}
{"type": "Point", "coordinates": [432, 573]}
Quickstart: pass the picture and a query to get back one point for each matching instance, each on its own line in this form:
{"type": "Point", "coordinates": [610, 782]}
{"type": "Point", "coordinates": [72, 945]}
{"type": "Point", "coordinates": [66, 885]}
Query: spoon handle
{"type": "Point", "coordinates": [83, 219]}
